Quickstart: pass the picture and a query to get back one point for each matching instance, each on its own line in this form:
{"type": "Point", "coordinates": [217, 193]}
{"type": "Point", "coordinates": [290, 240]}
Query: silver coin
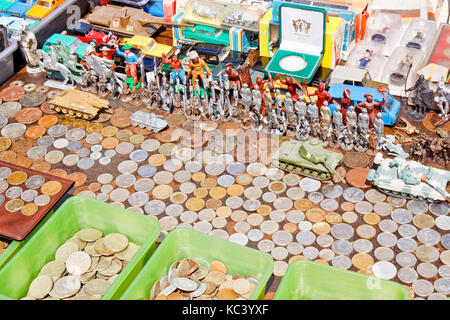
{"type": "Point", "coordinates": [188, 187]}
{"type": "Point", "coordinates": [239, 238]}
{"type": "Point", "coordinates": [57, 131]}
{"type": "Point", "coordinates": [315, 197]}
{"type": "Point", "coordinates": [439, 208]}
{"type": "Point", "coordinates": [417, 206]}
{"type": "Point", "coordinates": [13, 192]}
{"type": "Point", "coordinates": [154, 207]}
{"type": "Point", "coordinates": [94, 138]}
{"type": "Point", "coordinates": [138, 199]}
{"type": "Point", "coordinates": [225, 159]}
{"type": "Point", "coordinates": [295, 193]}
{"type": "Point", "coordinates": [70, 160]}
{"type": "Point", "coordinates": [251, 205]}
{"type": "Point", "coordinates": [329, 205]}
{"type": "Point", "coordinates": [422, 287]}
{"type": "Point", "coordinates": [388, 225]}
{"type": "Point", "coordinates": [283, 203]}
{"type": "Point", "coordinates": [119, 195]}
{"type": "Point", "coordinates": [2, 199]}
{"type": "Point", "coordinates": [325, 240]}
{"type": "Point", "coordinates": [219, 222]}
{"type": "Point", "coordinates": [218, 233]}
{"type": "Point", "coordinates": [362, 246]}
{"type": "Point", "coordinates": [353, 195]}
{"type": "Point", "coordinates": [436, 296]}
{"type": "Point", "coordinates": [255, 235]}
{"type": "Point", "coordinates": [3, 121]}
{"type": "Point", "coordinates": [407, 230]}
{"type": "Point", "coordinates": [241, 227]}
{"type": "Point", "coordinates": [277, 215]}
{"type": "Point", "coordinates": [209, 214]}
{"type": "Point", "coordinates": [406, 259]}
{"type": "Point", "coordinates": [140, 155]}
{"type": "Point", "coordinates": [146, 171]}
{"type": "Point", "coordinates": [382, 209]}
{"type": "Point", "coordinates": [269, 227]}
{"type": "Point", "coordinates": [188, 216]}
{"type": "Point", "coordinates": [386, 239]}
{"type": "Point", "coordinates": [5, 172]}
{"type": "Point", "coordinates": [125, 180]}
{"type": "Point", "coordinates": [168, 223]}
{"type": "Point", "coordinates": [407, 275]}
{"type": "Point", "coordinates": [427, 253]}
{"type": "Point", "coordinates": [104, 161]}
{"type": "Point", "coordinates": [75, 134]}
{"type": "Point", "coordinates": [83, 153]}
{"type": "Point", "coordinates": [163, 177]}
{"type": "Point", "coordinates": [205, 227]}
{"type": "Point", "coordinates": [294, 248]}
{"type": "Point", "coordinates": [269, 197]}
{"type": "Point", "coordinates": [326, 254]}
{"type": "Point", "coordinates": [342, 247]}
{"type": "Point", "coordinates": [36, 152]}
{"type": "Point", "coordinates": [444, 271]}
{"type": "Point", "coordinates": [214, 168]}
{"type": "Point", "coordinates": [193, 166]}
{"type": "Point", "coordinates": [332, 191]}
{"type": "Point", "coordinates": [363, 207]}
{"type": "Point", "coordinates": [34, 182]}
{"type": "Point", "coordinates": [236, 168]}
{"type": "Point", "coordinates": [225, 180]}
{"type": "Point", "coordinates": [342, 231]}
{"type": "Point", "coordinates": [275, 174]}
{"type": "Point", "coordinates": [95, 155]}
{"type": "Point", "coordinates": [258, 169]}
{"type": "Point", "coordinates": [61, 143]}
{"type": "Point", "coordinates": [375, 196]}
{"type": "Point", "coordinates": [311, 253]}
{"type": "Point", "coordinates": [124, 148]}
{"type": "Point", "coordinates": [105, 178]}
{"type": "Point", "coordinates": [396, 202]}
{"type": "Point", "coordinates": [136, 209]}
{"type": "Point", "coordinates": [102, 197]}
{"type": "Point", "coordinates": [427, 270]}
{"type": "Point", "coordinates": [384, 270]}
{"type": "Point", "coordinates": [74, 146]}
{"type": "Point", "coordinates": [10, 109]}
{"type": "Point", "coordinates": [342, 262]}
{"type": "Point", "coordinates": [150, 145]}
{"type": "Point", "coordinates": [304, 225]}
{"type": "Point", "coordinates": [42, 200]}
{"type": "Point", "coordinates": [309, 185]}
{"type": "Point", "coordinates": [428, 237]}
{"type": "Point", "coordinates": [260, 182]}
{"type": "Point", "coordinates": [383, 253]}
{"type": "Point", "coordinates": [282, 238]}
{"type": "Point", "coordinates": [45, 141]}
{"type": "Point", "coordinates": [445, 241]}
{"type": "Point", "coordinates": [85, 163]}
{"type": "Point", "coordinates": [442, 286]}
{"type": "Point", "coordinates": [305, 238]}
{"type": "Point", "coordinates": [295, 216]}
{"type": "Point", "coordinates": [110, 153]}
{"type": "Point", "coordinates": [182, 176]}
{"type": "Point", "coordinates": [127, 166]}
{"type": "Point", "coordinates": [3, 186]}
{"type": "Point", "coordinates": [96, 148]}
{"type": "Point", "coordinates": [401, 216]}
{"type": "Point", "coordinates": [255, 219]}
{"type": "Point", "coordinates": [407, 244]}
{"type": "Point", "coordinates": [443, 222]}
{"type": "Point", "coordinates": [144, 185]}
{"type": "Point", "coordinates": [13, 130]}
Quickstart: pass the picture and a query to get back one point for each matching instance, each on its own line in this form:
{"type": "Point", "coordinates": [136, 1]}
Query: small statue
{"type": "Point", "coordinates": [272, 126]}
{"type": "Point", "coordinates": [300, 108]}
{"type": "Point", "coordinates": [442, 99]}
{"type": "Point", "coordinates": [363, 121]}
{"type": "Point", "coordinates": [378, 126]}
{"type": "Point", "coordinates": [373, 142]}
{"type": "Point", "coordinates": [361, 142]}
{"type": "Point", "coordinates": [364, 61]}
{"type": "Point", "coordinates": [93, 80]}
{"type": "Point", "coordinates": [350, 118]}
{"type": "Point", "coordinates": [278, 103]}
{"type": "Point", "coordinates": [256, 115]}
{"type": "Point", "coordinates": [85, 81]}
{"type": "Point", "coordinates": [394, 149]}
{"type": "Point", "coordinates": [436, 147]}
{"type": "Point", "coordinates": [303, 129]}
{"type": "Point", "coordinates": [288, 104]}
{"type": "Point", "coordinates": [325, 113]}
{"type": "Point", "coordinates": [417, 149]}
{"type": "Point", "coordinates": [102, 91]}
{"type": "Point", "coordinates": [315, 127]}
{"type": "Point", "coordinates": [334, 138]}
{"type": "Point", "coordinates": [313, 110]}
{"type": "Point", "coordinates": [424, 95]}
{"type": "Point", "coordinates": [322, 95]}
{"type": "Point", "coordinates": [371, 106]}
{"type": "Point", "coordinates": [131, 63]}
{"type": "Point", "coordinates": [337, 119]}
{"type": "Point", "coordinates": [235, 112]}
{"type": "Point", "coordinates": [197, 68]}
{"type": "Point", "coordinates": [233, 75]}
{"type": "Point", "coordinates": [28, 44]}
{"type": "Point", "coordinates": [246, 97]}
{"type": "Point", "coordinates": [177, 72]}
{"type": "Point", "coordinates": [324, 132]}
{"type": "Point", "coordinates": [268, 102]}
{"type": "Point", "coordinates": [347, 139]}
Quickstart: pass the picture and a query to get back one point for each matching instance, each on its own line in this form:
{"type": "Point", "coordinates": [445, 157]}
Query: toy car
{"type": "Point", "coordinates": [5, 4]}
{"type": "Point", "coordinates": [74, 44]}
{"type": "Point", "coordinates": [43, 8]}
{"type": "Point", "coordinates": [14, 25]}
{"type": "Point", "coordinates": [86, 33]}
{"type": "Point", "coordinates": [150, 121]}
{"type": "Point", "coordinates": [149, 46]}
{"type": "Point", "coordinates": [19, 8]}
{"type": "Point", "coordinates": [207, 34]}
{"type": "Point", "coordinates": [353, 76]}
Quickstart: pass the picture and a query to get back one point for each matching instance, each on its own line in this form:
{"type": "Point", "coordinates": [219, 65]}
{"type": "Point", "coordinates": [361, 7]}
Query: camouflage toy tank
{"type": "Point", "coordinates": [150, 121]}
{"type": "Point", "coordinates": [77, 103]}
{"type": "Point", "coordinates": [409, 179]}
{"type": "Point", "coordinates": [307, 158]}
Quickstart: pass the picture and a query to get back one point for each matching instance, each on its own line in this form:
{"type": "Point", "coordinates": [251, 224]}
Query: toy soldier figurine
{"type": "Point", "coordinates": [300, 108]}
{"type": "Point", "coordinates": [324, 131]}
{"type": "Point", "coordinates": [145, 95]}
{"type": "Point", "coordinates": [271, 122]}
{"type": "Point", "coordinates": [361, 140]}
{"type": "Point", "coordinates": [373, 141]}
{"type": "Point", "coordinates": [337, 119]}
{"type": "Point", "coordinates": [289, 112]}
{"type": "Point", "coordinates": [268, 102]}
{"type": "Point", "coordinates": [246, 97]}
{"type": "Point", "coordinates": [278, 103]}
{"type": "Point", "coordinates": [313, 111]}
{"type": "Point", "coordinates": [85, 81]}
{"type": "Point", "coordinates": [303, 129]}
{"type": "Point", "coordinates": [233, 75]}
{"type": "Point", "coordinates": [378, 126]}
{"type": "Point", "coordinates": [315, 127]}
{"type": "Point", "coordinates": [363, 121]}
{"type": "Point", "coordinates": [102, 85]}
{"type": "Point", "coordinates": [93, 81]}
{"type": "Point", "coordinates": [347, 140]}
{"type": "Point", "coordinates": [28, 44]}
{"type": "Point", "coordinates": [371, 107]}
{"type": "Point", "coordinates": [334, 138]}
{"type": "Point", "coordinates": [350, 118]}
{"type": "Point", "coordinates": [197, 68]}
{"type": "Point", "coordinates": [177, 69]}
{"type": "Point", "coordinates": [424, 95]}
{"type": "Point", "coordinates": [131, 60]}
{"type": "Point", "coordinates": [235, 112]}
{"type": "Point", "coordinates": [442, 98]}
{"type": "Point", "coordinates": [417, 149]}
{"type": "Point", "coordinates": [322, 95]}
{"type": "Point", "coordinates": [325, 113]}
{"type": "Point", "coordinates": [256, 114]}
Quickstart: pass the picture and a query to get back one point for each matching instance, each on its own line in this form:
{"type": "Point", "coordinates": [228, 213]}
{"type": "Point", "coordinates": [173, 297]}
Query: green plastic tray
{"type": "Point", "coordinates": [74, 214]}
{"type": "Point", "coordinates": [185, 243]}
{"type": "Point", "coordinates": [307, 280]}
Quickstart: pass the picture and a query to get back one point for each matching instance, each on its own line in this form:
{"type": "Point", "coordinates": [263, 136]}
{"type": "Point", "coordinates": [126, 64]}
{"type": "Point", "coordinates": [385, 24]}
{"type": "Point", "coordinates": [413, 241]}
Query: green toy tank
{"type": "Point", "coordinates": [307, 158]}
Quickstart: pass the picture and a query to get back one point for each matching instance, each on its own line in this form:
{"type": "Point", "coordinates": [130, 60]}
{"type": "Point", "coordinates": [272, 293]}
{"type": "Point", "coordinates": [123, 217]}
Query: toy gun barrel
{"type": "Point", "coordinates": [172, 24]}
{"type": "Point", "coordinates": [333, 172]}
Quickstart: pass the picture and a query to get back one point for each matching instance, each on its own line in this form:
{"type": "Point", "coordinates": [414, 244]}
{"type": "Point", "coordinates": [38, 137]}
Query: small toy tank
{"type": "Point", "coordinates": [77, 103]}
{"type": "Point", "coordinates": [149, 121]}
{"type": "Point", "coordinates": [409, 179]}
{"type": "Point", "coordinates": [307, 158]}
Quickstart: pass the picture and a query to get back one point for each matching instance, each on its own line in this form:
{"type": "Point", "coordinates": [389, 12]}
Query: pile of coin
{"type": "Point", "coordinates": [188, 280]}
{"type": "Point", "coordinates": [84, 267]}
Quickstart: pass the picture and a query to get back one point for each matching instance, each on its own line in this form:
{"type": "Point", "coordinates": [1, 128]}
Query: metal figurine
{"type": "Point", "coordinates": [271, 118]}
{"type": "Point", "coordinates": [417, 150]}
{"type": "Point", "coordinates": [393, 149]}
{"type": "Point", "coordinates": [102, 85]}
{"type": "Point", "coordinates": [324, 132]}
{"type": "Point", "coordinates": [442, 99]}
{"type": "Point", "coordinates": [337, 119]}
{"type": "Point", "coordinates": [364, 61]}
{"type": "Point", "coordinates": [278, 103]}
{"type": "Point", "coordinates": [246, 97]}
{"type": "Point", "coordinates": [268, 102]}
{"type": "Point", "coordinates": [325, 113]}
{"type": "Point", "coordinates": [145, 94]}
{"type": "Point", "coordinates": [300, 109]}
{"type": "Point", "coordinates": [291, 117]}
{"type": "Point", "coordinates": [293, 86]}
{"type": "Point", "coordinates": [313, 110]}
{"type": "Point", "coordinates": [85, 81]}
{"type": "Point", "coordinates": [256, 115]}
{"type": "Point", "coordinates": [93, 80]}
{"type": "Point", "coordinates": [350, 117]}
{"type": "Point", "coordinates": [363, 121]}
{"type": "Point", "coordinates": [303, 129]}
{"type": "Point", "coordinates": [315, 127]}
{"type": "Point", "coordinates": [361, 142]}
{"type": "Point", "coordinates": [378, 126]}
{"type": "Point", "coordinates": [334, 138]}
{"type": "Point", "coordinates": [436, 146]}
{"type": "Point", "coordinates": [347, 138]}
{"type": "Point", "coordinates": [28, 44]}
{"type": "Point", "coordinates": [372, 107]}
{"type": "Point", "coordinates": [424, 97]}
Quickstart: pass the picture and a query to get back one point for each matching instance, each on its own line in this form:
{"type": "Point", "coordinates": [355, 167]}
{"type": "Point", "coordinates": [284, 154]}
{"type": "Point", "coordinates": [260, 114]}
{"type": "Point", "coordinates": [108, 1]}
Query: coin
{"type": "Point", "coordinates": [396, 202]}
{"type": "Point", "coordinates": [439, 208]}
{"type": "Point", "coordinates": [384, 270]}
{"type": "Point", "coordinates": [33, 99]}
{"type": "Point", "coordinates": [374, 196]}
{"type": "Point", "coordinates": [13, 130]}
{"type": "Point", "coordinates": [357, 178]}
{"type": "Point", "coordinates": [42, 200]}
{"type": "Point", "coordinates": [407, 230]}
{"type": "Point", "coordinates": [57, 131]}
{"type": "Point", "coordinates": [12, 93]}
{"type": "Point", "coordinates": [382, 209]}
{"type": "Point", "coordinates": [422, 287]}
{"type": "Point", "coordinates": [407, 275]}
{"type": "Point", "coordinates": [353, 195]}
{"type": "Point", "coordinates": [426, 253]}
{"type": "Point", "coordinates": [3, 121]}
{"type": "Point", "coordinates": [28, 115]}
{"type": "Point", "coordinates": [401, 216]}
{"type": "Point", "coordinates": [51, 188]}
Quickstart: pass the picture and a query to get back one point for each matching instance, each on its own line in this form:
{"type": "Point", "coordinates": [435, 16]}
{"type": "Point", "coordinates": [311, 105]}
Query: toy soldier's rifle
{"type": "Point", "coordinates": [141, 64]}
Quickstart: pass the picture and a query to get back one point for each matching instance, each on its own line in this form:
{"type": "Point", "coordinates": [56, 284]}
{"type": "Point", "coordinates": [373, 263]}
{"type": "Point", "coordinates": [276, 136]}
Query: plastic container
{"type": "Point", "coordinates": [307, 280]}
{"type": "Point", "coordinates": [7, 61]}
{"type": "Point", "coordinates": [75, 214]}
{"type": "Point", "coordinates": [185, 243]}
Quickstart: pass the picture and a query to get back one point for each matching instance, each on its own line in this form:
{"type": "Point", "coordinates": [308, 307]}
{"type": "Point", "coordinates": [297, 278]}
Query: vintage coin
{"type": "Point", "coordinates": [74, 146]}
{"type": "Point", "coordinates": [13, 192]}
{"type": "Point", "coordinates": [315, 197]}
{"type": "Point", "coordinates": [353, 195]}
{"type": "Point", "coordinates": [407, 230]}
{"type": "Point", "coordinates": [426, 253]}
{"type": "Point", "coordinates": [332, 191]}
{"type": "Point", "coordinates": [443, 222]}
{"type": "Point", "coordinates": [388, 225]}
{"type": "Point", "coordinates": [60, 143]}
{"type": "Point", "coordinates": [45, 141]}
{"type": "Point", "coordinates": [396, 202]}
{"type": "Point", "coordinates": [29, 87]}
{"type": "Point", "coordinates": [85, 163]}
{"type": "Point", "coordinates": [356, 160]}
{"type": "Point", "coordinates": [387, 239]}
{"type": "Point", "coordinates": [144, 185]}
{"type": "Point", "coordinates": [439, 208]}
{"type": "Point", "coordinates": [366, 231]}
{"type": "Point", "coordinates": [54, 156]}
{"type": "Point", "coordinates": [3, 121]}
{"type": "Point", "coordinates": [428, 237]}
{"type": "Point", "coordinates": [16, 178]}
{"type": "Point", "coordinates": [342, 262]}
{"type": "Point", "coordinates": [382, 209]}
{"type": "Point", "coordinates": [401, 216]}
{"type": "Point", "coordinates": [384, 254]}
{"type": "Point", "coordinates": [362, 246]}
{"type": "Point", "coordinates": [5, 143]}
{"type": "Point", "coordinates": [417, 206]}
{"type": "Point", "coordinates": [363, 207]}
{"type": "Point", "coordinates": [14, 205]}
{"type": "Point", "coordinates": [12, 93]}
{"type": "Point", "coordinates": [374, 196]}
{"type": "Point", "coordinates": [10, 109]}
{"type": "Point", "coordinates": [40, 287]}
{"type": "Point", "coordinates": [51, 188]}
{"type": "Point", "coordinates": [57, 131]}
{"type": "Point", "coordinates": [329, 205]}
{"type": "Point", "coordinates": [42, 200]}
{"type": "Point", "coordinates": [442, 286]}
{"type": "Point", "coordinates": [29, 209]}
{"type": "Point", "coordinates": [357, 178]}
{"type": "Point", "coordinates": [70, 160]}
{"type": "Point", "coordinates": [33, 99]}
{"type": "Point", "coordinates": [407, 275]}
{"type": "Point", "coordinates": [28, 115]}
{"type": "Point", "coordinates": [384, 270]}
{"type": "Point", "coordinates": [13, 130]}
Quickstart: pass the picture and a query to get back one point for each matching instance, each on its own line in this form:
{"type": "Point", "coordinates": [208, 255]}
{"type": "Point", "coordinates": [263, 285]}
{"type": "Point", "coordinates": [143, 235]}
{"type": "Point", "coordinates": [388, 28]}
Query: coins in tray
{"type": "Point", "coordinates": [191, 280]}
{"type": "Point", "coordinates": [84, 267]}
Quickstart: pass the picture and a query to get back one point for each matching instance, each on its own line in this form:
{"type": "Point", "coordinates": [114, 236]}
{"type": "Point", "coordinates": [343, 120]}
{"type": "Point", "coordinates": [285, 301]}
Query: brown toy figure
{"type": "Point", "coordinates": [417, 149]}
{"type": "Point", "coordinates": [334, 138]}
{"type": "Point", "coordinates": [373, 142]}
{"type": "Point", "coordinates": [315, 128]}
{"type": "Point", "coordinates": [197, 68]}
{"type": "Point", "coordinates": [324, 126]}
{"type": "Point", "coordinates": [321, 94]}
{"type": "Point", "coordinates": [372, 107]}
{"type": "Point", "coordinates": [436, 147]}
{"type": "Point", "coordinates": [233, 76]}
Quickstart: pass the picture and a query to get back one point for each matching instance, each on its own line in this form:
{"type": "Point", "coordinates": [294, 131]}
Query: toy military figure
{"type": "Point", "coordinates": [347, 140]}
{"type": "Point", "coordinates": [271, 122]}
{"type": "Point", "coordinates": [363, 121]}
{"type": "Point", "coordinates": [278, 103]}
{"type": "Point", "coordinates": [197, 68]}
{"type": "Point", "coordinates": [334, 138]}
{"type": "Point", "coordinates": [28, 44]}
{"type": "Point", "coordinates": [102, 85]}
{"type": "Point", "coordinates": [93, 81]}
{"type": "Point", "coordinates": [300, 108]}
{"type": "Point", "coordinates": [256, 115]}
{"type": "Point", "coordinates": [373, 142]}
{"type": "Point", "coordinates": [361, 141]}
{"type": "Point", "coordinates": [288, 104]}
{"type": "Point", "coordinates": [436, 147]}
{"type": "Point", "coordinates": [350, 118]}
{"type": "Point", "coordinates": [337, 119]}
{"type": "Point", "coordinates": [303, 129]}
{"type": "Point", "coordinates": [324, 131]}
{"type": "Point", "coordinates": [315, 127]}
{"type": "Point", "coordinates": [325, 113]}
{"type": "Point", "coordinates": [417, 149]}
{"type": "Point", "coordinates": [313, 110]}
{"type": "Point", "coordinates": [378, 126]}
{"type": "Point", "coordinates": [268, 102]}
{"type": "Point", "coordinates": [85, 81]}
{"type": "Point", "coordinates": [424, 95]}
{"type": "Point", "coordinates": [442, 98]}
{"type": "Point", "coordinates": [246, 97]}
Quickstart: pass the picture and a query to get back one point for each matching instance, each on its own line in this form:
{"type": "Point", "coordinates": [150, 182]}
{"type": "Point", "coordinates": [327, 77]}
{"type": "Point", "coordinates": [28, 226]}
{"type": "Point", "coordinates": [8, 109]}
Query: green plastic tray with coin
{"type": "Point", "coordinates": [75, 214]}
{"type": "Point", "coordinates": [185, 243]}
{"type": "Point", "coordinates": [307, 280]}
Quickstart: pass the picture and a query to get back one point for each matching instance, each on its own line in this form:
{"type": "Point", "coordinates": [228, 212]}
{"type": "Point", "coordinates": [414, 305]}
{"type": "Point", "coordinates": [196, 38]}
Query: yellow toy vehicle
{"type": "Point", "coordinates": [43, 8]}
{"type": "Point", "coordinates": [149, 46]}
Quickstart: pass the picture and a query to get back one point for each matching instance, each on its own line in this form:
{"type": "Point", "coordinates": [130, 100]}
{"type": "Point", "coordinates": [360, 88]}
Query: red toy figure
{"type": "Point", "coordinates": [233, 76]}
{"type": "Point", "coordinates": [177, 69]}
{"type": "Point", "coordinates": [322, 95]}
{"type": "Point", "coordinates": [261, 84]}
{"type": "Point", "coordinates": [293, 85]}
{"type": "Point", "coordinates": [345, 102]}
{"type": "Point", "coordinates": [372, 107]}
{"type": "Point", "coordinates": [106, 52]}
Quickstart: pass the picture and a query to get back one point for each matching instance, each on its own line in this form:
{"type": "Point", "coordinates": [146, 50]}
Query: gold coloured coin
{"type": "Point", "coordinates": [315, 215]}
{"type": "Point", "coordinates": [235, 190]}
{"type": "Point", "coordinates": [157, 160]}
{"type": "Point", "coordinates": [51, 188]}
{"type": "Point", "coordinates": [94, 127]}
{"type": "Point", "coordinates": [137, 139]}
{"type": "Point", "coordinates": [124, 135]}
{"type": "Point", "coordinates": [200, 192]}
{"type": "Point", "coordinates": [321, 228]}
{"type": "Point", "coordinates": [213, 203]}
{"type": "Point", "coordinates": [303, 205]}
{"type": "Point", "coordinates": [209, 183]}
{"type": "Point", "coordinates": [109, 131]}
{"type": "Point", "coordinates": [5, 143]}
{"type": "Point", "coordinates": [244, 179]}
{"type": "Point", "coordinates": [17, 177]}
{"type": "Point", "coordinates": [296, 258]}
{"type": "Point", "coordinates": [198, 177]}
{"type": "Point", "coordinates": [162, 192]}
{"type": "Point", "coordinates": [29, 209]}
{"type": "Point", "coordinates": [362, 261]}
{"type": "Point", "coordinates": [223, 212]}
{"type": "Point", "coordinates": [195, 204]}
{"type": "Point", "coordinates": [371, 218]}
{"type": "Point", "coordinates": [218, 192]}
{"type": "Point", "coordinates": [423, 221]}
{"type": "Point", "coordinates": [14, 205]}
{"type": "Point", "coordinates": [264, 210]}
{"type": "Point", "coordinates": [80, 123]}
{"type": "Point", "coordinates": [333, 218]}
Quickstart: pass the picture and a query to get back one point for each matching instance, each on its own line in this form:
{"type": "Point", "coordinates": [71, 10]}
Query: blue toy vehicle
{"type": "Point", "coordinates": [19, 8]}
{"type": "Point", "coordinates": [391, 107]}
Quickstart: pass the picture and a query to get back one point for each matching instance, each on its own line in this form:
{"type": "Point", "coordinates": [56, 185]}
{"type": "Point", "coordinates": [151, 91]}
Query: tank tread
{"type": "Point", "coordinates": [75, 113]}
{"type": "Point", "coordinates": [408, 196]}
{"type": "Point", "coordinates": [293, 169]}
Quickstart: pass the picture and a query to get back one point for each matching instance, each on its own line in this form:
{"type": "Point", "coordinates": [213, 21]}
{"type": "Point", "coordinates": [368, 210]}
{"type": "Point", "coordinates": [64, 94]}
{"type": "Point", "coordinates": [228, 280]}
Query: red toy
{"type": "Point", "coordinates": [233, 76]}
{"type": "Point", "coordinates": [177, 69]}
{"type": "Point", "coordinates": [345, 102]}
{"type": "Point", "coordinates": [293, 85]}
{"type": "Point", "coordinates": [372, 107]}
{"type": "Point", "coordinates": [261, 83]}
{"type": "Point", "coordinates": [321, 95]}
